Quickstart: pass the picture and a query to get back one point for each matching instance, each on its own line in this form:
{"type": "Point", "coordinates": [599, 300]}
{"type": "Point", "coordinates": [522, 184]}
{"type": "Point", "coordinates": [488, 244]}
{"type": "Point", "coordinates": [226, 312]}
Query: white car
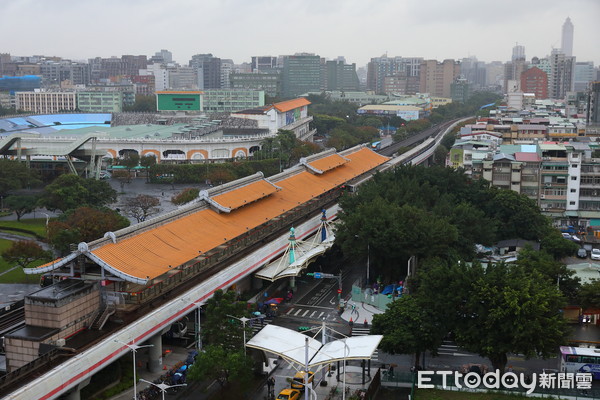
{"type": "Point", "coordinates": [595, 254]}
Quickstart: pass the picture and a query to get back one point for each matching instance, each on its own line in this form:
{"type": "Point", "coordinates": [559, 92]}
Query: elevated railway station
{"type": "Point", "coordinates": [144, 278]}
{"type": "Point", "coordinates": [171, 264]}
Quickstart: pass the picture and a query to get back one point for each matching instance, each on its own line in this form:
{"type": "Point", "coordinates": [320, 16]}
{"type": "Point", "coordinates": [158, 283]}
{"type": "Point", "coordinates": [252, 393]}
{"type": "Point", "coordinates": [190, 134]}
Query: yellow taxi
{"type": "Point", "coordinates": [298, 380]}
{"type": "Point", "coordinates": [289, 394]}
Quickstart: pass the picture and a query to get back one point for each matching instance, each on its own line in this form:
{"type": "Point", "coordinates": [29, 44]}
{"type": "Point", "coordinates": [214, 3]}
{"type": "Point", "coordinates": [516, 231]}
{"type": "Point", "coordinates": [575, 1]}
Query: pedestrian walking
{"type": "Point", "coordinates": [271, 387]}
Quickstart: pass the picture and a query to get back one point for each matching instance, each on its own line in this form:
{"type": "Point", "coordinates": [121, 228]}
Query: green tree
{"type": "Point", "coordinates": [147, 161]}
{"type": "Point", "coordinates": [24, 252]}
{"type": "Point", "coordinates": [15, 175]}
{"type": "Point", "coordinates": [557, 246]}
{"type": "Point", "coordinates": [220, 329]}
{"type": "Point", "coordinates": [21, 205]}
{"type": "Point", "coordinates": [68, 192]}
{"type": "Point", "coordinates": [406, 328]}
{"type": "Point", "coordinates": [83, 224]}
{"type": "Point", "coordinates": [589, 294]}
{"type": "Point", "coordinates": [224, 366]}
{"type": "Point", "coordinates": [507, 309]}
{"type": "Point", "coordinates": [185, 196]}
{"type": "Point", "coordinates": [520, 216]}
{"type": "Point", "coordinates": [142, 104]}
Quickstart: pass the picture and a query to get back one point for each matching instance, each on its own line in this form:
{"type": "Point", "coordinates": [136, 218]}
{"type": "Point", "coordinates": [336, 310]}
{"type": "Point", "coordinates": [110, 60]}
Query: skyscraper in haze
{"type": "Point", "coordinates": [566, 43]}
{"type": "Point", "coordinates": [518, 52]}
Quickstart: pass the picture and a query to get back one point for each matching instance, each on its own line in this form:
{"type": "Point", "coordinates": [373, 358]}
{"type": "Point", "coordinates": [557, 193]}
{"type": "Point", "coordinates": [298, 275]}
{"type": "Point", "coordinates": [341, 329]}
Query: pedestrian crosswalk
{"type": "Point", "coordinates": [449, 348]}
{"type": "Point", "coordinates": [310, 313]}
{"type": "Point", "coordinates": [257, 326]}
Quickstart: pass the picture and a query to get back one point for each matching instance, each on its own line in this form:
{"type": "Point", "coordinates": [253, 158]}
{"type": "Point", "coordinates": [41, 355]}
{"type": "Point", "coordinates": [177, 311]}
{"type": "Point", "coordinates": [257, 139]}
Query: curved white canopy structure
{"type": "Point", "coordinates": [291, 346]}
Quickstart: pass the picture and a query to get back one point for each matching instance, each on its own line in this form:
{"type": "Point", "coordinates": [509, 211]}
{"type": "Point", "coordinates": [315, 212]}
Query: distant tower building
{"type": "Point", "coordinates": [593, 114]}
{"type": "Point", "coordinates": [566, 43]}
{"type": "Point", "coordinates": [518, 52]}
{"type": "Point", "coordinates": [301, 74]}
{"type": "Point", "coordinates": [436, 78]}
{"type": "Point", "coordinates": [208, 69]}
{"type": "Point", "coordinates": [264, 63]}
{"type": "Point", "coordinates": [535, 81]}
{"type": "Point", "coordinates": [560, 80]}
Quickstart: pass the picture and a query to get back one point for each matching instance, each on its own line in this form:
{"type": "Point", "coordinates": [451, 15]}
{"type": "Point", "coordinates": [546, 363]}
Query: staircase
{"type": "Point", "coordinates": [101, 318]}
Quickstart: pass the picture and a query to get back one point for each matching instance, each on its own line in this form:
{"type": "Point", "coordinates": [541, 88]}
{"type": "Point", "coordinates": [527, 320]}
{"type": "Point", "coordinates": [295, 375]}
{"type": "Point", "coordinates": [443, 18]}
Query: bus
{"type": "Point", "coordinates": [580, 359]}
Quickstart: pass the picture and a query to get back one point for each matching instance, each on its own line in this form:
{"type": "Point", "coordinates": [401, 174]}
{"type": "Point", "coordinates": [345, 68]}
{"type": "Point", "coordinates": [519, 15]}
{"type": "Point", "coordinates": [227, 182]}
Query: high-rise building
{"type": "Point", "coordinates": [340, 76]}
{"type": "Point", "coordinates": [584, 74]}
{"type": "Point", "coordinates": [301, 74]}
{"type": "Point", "coordinates": [163, 56]}
{"type": "Point", "coordinates": [593, 114]}
{"type": "Point", "coordinates": [436, 77]}
{"type": "Point", "coordinates": [402, 68]}
{"type": "Point", "coordinates": [560, 80]}
{"type": "Point", "coordinates": [263, 63]}
{"type": "Point", "coordinates": [534, 80]}
{"type": "Point", "coordinates": [270, 83]}
{"type": "Point", "coordinates": [208, 69]}
{"type": "Point", "coordinates": [226, 70]}
{"type": "Point", "coordinates": [566, 40]}
{"type": "Point", "coordinates": [518, 52]}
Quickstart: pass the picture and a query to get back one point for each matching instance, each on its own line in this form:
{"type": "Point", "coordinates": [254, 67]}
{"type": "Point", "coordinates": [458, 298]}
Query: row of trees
{"type": "Point", "coordinates": [343, 127]}
{"type": "Point", "coordinates": [438, 215]}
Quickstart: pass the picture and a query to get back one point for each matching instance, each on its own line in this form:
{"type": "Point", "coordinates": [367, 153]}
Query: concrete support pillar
{"type": "Point", "coordinates": [75, 393]}
{"type": "Point", "coordinates": [293, 282]}
{"type": "Point", "coordinates": [155, 353]}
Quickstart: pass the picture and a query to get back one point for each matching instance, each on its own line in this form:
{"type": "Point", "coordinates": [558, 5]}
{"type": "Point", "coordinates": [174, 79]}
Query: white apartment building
{"type": "Point", "coordinates": [46, 102]}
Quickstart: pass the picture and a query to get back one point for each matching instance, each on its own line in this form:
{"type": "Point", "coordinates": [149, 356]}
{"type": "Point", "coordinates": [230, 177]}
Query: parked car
{"type": "Point", "coordinates": [595, 254]}
{"type": "Point", "coordinates": [105, 175]}
{"type": "Point", "coordinates": [581, 253]}
{"type": "Point", "coordinates": [289, 394]}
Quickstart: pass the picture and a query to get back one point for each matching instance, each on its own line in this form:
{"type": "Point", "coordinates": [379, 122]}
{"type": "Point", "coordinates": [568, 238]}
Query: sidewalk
{"type": "Point", "coordinates": [172, 355]}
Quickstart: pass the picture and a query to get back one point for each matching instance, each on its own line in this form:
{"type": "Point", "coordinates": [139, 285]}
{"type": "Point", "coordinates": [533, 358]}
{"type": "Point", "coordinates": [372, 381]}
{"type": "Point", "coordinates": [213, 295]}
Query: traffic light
{"type": "Point", "coordinates": [303, 328]}
{"type": "Point", "coordinates": [310, 274]}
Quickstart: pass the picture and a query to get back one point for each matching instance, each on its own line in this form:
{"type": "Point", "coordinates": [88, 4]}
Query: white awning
{"type": "Point", "coordinates": [291, 346]}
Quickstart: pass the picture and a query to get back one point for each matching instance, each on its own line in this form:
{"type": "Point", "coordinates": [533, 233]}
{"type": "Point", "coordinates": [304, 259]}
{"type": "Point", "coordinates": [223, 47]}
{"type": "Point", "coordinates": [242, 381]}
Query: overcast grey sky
{"type": "Point", "coordinates": [239, 29]}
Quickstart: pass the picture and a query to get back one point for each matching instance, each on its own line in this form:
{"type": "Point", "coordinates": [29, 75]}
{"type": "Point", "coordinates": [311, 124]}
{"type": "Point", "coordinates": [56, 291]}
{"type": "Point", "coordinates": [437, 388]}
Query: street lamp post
{"type": "Point", "coordinates": [244, 320]}
{"type": "Point", "coordinates": [133, 347]}
{"type": "Point", "coordinates": [162, 386]}
{"type": "Point", "coordinates": [344, 382]}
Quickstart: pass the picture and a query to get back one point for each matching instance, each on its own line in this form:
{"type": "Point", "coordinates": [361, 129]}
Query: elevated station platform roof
{"type": "Point", "coordinates": [152, 249]}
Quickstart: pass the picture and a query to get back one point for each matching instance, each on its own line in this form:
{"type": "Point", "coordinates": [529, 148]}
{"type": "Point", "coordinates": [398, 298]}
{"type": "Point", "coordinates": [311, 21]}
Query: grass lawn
{"type": "Point", "coordinates": [26, 227]}
{"type": "Point", "coordinates": [433, 394]}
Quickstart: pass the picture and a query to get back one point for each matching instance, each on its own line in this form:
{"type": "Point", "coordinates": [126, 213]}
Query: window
{"type": "Point", "coordinates": [572, 203]}
{"type": "Point", "coordinates": [572, 358]}
{"type": "Point", "coordinates": [573, 178]}
{"type": "Point", "coordinates": [573, 190]}
{"type": "Point", "coordinates": [574, 165]}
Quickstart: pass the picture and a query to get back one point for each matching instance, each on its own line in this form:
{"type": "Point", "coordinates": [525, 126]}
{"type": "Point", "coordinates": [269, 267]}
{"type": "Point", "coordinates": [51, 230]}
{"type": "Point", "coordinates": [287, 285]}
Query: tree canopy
{"type": "Point", "coordinates": [21, 204]}
{"type": "Point", "coordinates": [24, 252]}
{"type": "Point", "coordinates": [15, 175]}
{"type": "Point", "coordinates": [83, 224]}
{"type": "Point", "coordinates": [69, 191]}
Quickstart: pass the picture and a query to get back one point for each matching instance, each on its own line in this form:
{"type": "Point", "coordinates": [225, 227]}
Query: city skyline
{"type": "Point", "coordinates": [357, 30]}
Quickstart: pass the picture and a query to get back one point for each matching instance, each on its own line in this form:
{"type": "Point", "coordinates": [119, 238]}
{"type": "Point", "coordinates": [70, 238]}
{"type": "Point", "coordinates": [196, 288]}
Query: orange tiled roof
{"type": "Point", "coordinates": [246, 194]}
{"type": "Point", "coordinates": [328, 163]}
{"type": "Point", "coordinates": [150, 254]}
{"type": "Point", "coordinates": [291, 104]}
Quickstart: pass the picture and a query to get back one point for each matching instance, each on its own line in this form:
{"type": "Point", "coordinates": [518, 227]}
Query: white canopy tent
{"type": "Point", "coordinates": [291, 346]}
